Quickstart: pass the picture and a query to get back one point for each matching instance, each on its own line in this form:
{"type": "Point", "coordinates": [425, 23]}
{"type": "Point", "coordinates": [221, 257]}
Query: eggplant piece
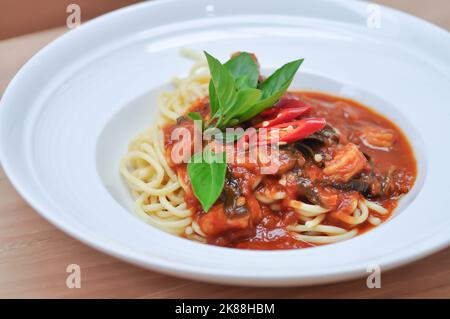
{"type": "Point", "coordinates": [305, 149]}
{"type": "Point", "coordinates": [305, 186]}
{"type": "Point", "coordinates": [230, 196]}
{"type": "Point", "coordinates": [371, 185]}
{"type": "Point", "coordinates": [307, 189]}
{"type": "Point", "coordinates": [367, 184]}
{"type": "Point", "coordinates": [358, 185]}
{"type": "Point", "coordinates": [327, 136]}
{"type": "Point", "coordinates": [311, 152]}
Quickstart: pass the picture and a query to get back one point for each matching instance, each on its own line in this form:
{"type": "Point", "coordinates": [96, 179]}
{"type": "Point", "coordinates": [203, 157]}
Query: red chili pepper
{"type": "Point", "coordinates": [284, 103]}
{"type": "Point", "coordinates": [300, 129]}
{"type": "Point", "coordinates": [285, 115]}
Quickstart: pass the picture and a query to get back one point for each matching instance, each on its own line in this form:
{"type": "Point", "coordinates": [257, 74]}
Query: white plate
{"type": "Point", "coordinates": [66, 119]}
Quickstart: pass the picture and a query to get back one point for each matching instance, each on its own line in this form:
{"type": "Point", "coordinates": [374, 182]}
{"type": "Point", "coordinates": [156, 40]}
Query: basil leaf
{"type": "Point", "coordinates": [273, 88]}
{"type": "Point", "coordinates": [213, 101]}
{"type": "Point", "coordinates": [196, 117]}
{"type": "Point", "coordinates": [212, 133]}
{"type": "Point", "coordinates": [228, 137]}
{"type": "Point", "coordinates": [224, 90]}
{"type": "Point", "coordinates": [244, 70]}
{"type": "Point", "coordinates": [280, 79]}
{"type": "Point", "coordinates": [243, 82]}
{"type": "Point", "coordinates": [233, 122]}
{"type": "Point", "coordinates": [245, 99]}
{"type": "Point", "coordinates": [207, 179]}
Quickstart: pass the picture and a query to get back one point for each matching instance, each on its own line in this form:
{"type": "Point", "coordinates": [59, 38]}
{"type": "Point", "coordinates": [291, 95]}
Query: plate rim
{"type": "Point", "coordinates": [180, 269]}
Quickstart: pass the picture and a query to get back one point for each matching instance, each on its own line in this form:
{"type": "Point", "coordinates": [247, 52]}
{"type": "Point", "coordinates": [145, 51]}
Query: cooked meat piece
{"type": "Point", "coordinates": [216, 222]}
{"type": "Point", "coordinates": [347, 206]}
{"type": "Point", "coordinates": [328, 197]}
{"type": "Point", "coordinates": [347, 162]}
{"type": "Point", "coordinates": [378, 137]}
{"type": "Point", "coordinates": [277, 162]}
{"type": "Point", "coordinates": [397, 182]}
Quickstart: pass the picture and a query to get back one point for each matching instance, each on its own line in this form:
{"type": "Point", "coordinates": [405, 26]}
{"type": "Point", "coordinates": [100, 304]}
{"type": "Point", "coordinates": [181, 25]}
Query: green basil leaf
{"type": "Point", "coordinates": [223, 87]}
{"type": "Point", "coordinates": [245, 100]}
{"type": "Point", "coordinates": [244, 70]}
{"type": "Point", "coordinates": [197, 117]}
{"type": "Point", "coordinates": [243, 82]}
{"type": "Point", "coordinates": [213, 101]}
{"type": "Point", "coordinates": [273, 88]}
{"type": "Point", "coordinates": [280, 79]}
{"type": "Point", "coordinates": [228, 137]}
{"type": "Point", "coordinates": [233, 122]}
{"type": "Point", "coordinates": [207, 177]}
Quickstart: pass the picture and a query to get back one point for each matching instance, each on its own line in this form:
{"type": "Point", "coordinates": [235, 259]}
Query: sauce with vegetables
{"type": "Point", "coordinates": [356, 155]}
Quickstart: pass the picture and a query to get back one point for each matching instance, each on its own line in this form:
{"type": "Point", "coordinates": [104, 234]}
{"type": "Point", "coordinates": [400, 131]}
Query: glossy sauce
{"type": "Point", "coordinates": [266, 228]}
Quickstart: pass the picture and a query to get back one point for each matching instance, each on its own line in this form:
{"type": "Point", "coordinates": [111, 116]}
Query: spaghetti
{"type": "Point", "coordinates": [331, 207]}
{"type": "Point", "coordinates": [155, 185]}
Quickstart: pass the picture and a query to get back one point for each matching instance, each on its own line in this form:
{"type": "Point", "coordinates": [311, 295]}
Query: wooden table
{"type": "Point", "coordinates": [34, 254]}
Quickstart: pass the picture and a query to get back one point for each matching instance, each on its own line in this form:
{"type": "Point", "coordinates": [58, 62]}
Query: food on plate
{"type": "Point", "coordinates": [238, 160]}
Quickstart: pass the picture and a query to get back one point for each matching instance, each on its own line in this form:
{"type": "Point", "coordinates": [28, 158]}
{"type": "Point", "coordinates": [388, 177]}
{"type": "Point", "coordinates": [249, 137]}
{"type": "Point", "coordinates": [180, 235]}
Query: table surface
{"type": "Point", "coordinates": [34, 254]}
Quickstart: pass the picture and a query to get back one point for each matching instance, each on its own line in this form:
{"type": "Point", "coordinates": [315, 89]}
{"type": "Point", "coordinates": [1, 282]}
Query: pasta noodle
{"type": "Point", "coordinates": [160, 193]}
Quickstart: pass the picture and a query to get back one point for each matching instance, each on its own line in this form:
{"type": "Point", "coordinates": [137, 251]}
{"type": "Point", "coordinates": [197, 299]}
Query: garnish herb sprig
{"type": "Point", "coordinates": [235, 96]}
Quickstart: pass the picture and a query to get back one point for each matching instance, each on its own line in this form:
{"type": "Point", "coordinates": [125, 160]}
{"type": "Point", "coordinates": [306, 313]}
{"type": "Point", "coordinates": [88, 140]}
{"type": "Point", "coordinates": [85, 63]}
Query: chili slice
{"type": "Point", "coordinates": [285, 115]}
{"type": "Point", "coordinates": [300, 129]}
{"type": "Point", "coordinates": [283, 104]}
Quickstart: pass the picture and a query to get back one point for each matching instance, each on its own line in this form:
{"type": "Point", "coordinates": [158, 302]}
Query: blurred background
{"type": "Point", "coordinates": [18, 17]}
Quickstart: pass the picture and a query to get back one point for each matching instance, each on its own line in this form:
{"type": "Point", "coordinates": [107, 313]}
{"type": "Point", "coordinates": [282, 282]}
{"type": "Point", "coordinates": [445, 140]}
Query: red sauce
{"type": "Point", "coordinates": [386, 151]}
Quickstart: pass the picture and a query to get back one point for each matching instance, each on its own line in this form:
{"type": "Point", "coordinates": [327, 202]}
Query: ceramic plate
{"type": "Point", "coordinates": [67, 117]}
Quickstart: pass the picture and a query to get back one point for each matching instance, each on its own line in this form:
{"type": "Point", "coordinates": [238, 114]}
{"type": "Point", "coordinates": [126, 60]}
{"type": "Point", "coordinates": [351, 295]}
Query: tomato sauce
{"type": "Point", "coordinates": [389, 172]}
